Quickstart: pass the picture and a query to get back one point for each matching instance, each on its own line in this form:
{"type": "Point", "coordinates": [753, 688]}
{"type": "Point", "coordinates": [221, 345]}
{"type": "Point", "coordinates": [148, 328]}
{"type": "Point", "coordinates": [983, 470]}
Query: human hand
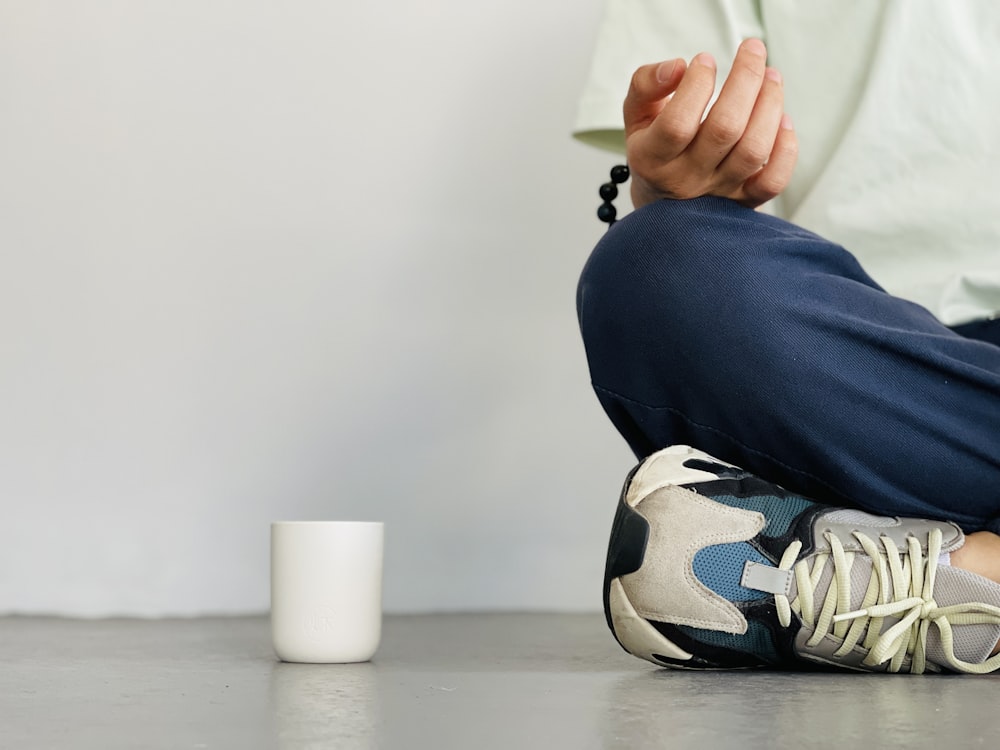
{"type": "Point", "coordinates": [745, 149]}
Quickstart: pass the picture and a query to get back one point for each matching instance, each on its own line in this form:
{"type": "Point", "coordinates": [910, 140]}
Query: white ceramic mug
{"type": "Point", "coordinates": [326, 590]}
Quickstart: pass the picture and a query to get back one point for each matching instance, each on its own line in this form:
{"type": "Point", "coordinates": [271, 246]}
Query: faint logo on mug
{"type": "Point", "coordinates": [321, 621]}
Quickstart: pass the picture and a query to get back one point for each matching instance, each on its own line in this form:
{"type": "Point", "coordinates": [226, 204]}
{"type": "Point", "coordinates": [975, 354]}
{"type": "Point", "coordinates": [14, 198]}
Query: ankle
{"type": "Point", "coordinates": [980, 554]}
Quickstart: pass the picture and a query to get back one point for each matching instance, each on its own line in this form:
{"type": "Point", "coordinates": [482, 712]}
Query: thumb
{"type": "Point", "coordinates": [648, 92]}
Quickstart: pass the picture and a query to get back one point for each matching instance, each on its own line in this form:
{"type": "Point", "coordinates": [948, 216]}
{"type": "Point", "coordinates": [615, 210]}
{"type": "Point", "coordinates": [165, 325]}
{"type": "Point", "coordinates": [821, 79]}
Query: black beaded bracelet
{"type": "Point", "coordinates": [606, 212]}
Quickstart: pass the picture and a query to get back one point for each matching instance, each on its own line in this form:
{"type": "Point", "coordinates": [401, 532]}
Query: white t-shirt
{"type": "Point", "coordinates": [897, 108]}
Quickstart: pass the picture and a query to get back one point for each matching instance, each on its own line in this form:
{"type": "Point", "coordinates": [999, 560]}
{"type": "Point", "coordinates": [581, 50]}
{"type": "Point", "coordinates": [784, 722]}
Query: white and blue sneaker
{"type": "Point", "coordinates": [710, 567]}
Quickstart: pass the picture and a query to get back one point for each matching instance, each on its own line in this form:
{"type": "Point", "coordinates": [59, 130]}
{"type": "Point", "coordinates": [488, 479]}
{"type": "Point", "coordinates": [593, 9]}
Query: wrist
{"type": "Point", "coordinates": [643, 193]}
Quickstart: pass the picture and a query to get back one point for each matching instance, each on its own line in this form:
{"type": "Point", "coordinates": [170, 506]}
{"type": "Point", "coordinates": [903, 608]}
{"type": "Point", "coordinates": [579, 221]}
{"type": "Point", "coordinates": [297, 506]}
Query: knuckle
{"type": "Point", "coordinates": [752, 152]}
{"type": "Point", "coordinates": [723, 129]}
{"type": "Point", "coordinates": [736, 172]}
{"type": "Point", "coordinates": [676, 129]}
{"type": "Point", "coordinates": [784, 157]}
{"type": "Point", "coordinates": [744, 69]}
{"type": "Point", "coordinates": [639, 82]}
{"type": "Point", "coordinates": [636, 83]}
{"type": "Point", "coordinates": [769, 185]}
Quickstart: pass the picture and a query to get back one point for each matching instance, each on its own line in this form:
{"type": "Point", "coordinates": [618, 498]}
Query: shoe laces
{"type": "Point", "coordinates": [901, 586]}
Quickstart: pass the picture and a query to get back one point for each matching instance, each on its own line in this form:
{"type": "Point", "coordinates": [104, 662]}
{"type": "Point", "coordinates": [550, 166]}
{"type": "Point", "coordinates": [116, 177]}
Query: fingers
{"type": "Point", "coordinates": [648, 92]}
{"type": "Point", "coordinates": [754, 147]}
{"type": "Point", "coordinates": [731, 112]}
{"type": "Point", "coordinates": [774, 177]}
{"type": "Point", "coordinates": [677, 124]}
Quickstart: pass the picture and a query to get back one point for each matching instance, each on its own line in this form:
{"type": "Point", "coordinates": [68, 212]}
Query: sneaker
{"type": "Point", "coordinates": [710, 567]}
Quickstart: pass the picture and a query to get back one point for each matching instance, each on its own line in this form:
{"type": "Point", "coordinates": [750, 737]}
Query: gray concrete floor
{"type": "Point", "coordinates": [456, 681]}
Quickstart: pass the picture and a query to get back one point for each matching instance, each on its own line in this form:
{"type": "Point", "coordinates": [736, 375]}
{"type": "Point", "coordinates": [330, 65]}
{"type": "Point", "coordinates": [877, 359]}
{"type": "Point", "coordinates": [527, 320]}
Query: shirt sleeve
{"type": "Point", "coordinates": [637, 32]}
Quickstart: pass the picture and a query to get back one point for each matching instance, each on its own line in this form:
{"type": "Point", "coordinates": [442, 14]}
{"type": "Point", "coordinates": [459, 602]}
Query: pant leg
{"type": "Point", "coordinates": [758, 342]}
{"type": "Point", "coordinates": [984, 330]}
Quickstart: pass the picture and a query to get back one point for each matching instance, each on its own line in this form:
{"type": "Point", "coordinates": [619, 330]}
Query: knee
{"type": "Point", "coordinates": [677, 268]}
{"type": "Point", "coordinates": [680, 252]}
{"type": "Point", "coordinates": [689, 294]}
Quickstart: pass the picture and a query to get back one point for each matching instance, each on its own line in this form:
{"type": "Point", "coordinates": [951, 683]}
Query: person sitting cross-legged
{"type": "Point", "coordinates": [824, 416]}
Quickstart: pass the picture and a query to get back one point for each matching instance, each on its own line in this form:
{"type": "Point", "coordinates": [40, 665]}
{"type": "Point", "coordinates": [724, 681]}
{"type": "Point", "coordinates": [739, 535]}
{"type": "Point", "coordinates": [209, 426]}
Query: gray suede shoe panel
{"type": "Point", "coordinates": [665, 588]}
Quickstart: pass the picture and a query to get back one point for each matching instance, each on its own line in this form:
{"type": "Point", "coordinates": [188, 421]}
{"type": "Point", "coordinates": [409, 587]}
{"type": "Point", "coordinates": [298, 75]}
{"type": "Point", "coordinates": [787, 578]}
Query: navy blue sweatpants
{"type": "Point", "coordinates": [712, 325]}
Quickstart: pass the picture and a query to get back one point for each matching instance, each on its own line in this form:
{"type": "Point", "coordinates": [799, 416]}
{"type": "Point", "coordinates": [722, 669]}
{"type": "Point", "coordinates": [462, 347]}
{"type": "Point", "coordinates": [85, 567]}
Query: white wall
{"type": "Point", "coordinates": [296, 260]}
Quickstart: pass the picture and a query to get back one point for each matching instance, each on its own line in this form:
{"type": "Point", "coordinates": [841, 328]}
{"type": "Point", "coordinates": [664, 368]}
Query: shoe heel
{"type": "Point", "coordinates": [627, 547]}
{"type": "Point", "coordinates": [636, 636]}
{"type": "Point", "coordinates": [626, 550]}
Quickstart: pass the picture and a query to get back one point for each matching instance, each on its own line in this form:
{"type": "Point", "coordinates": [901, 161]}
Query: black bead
{"type": "Point", "coordinates": [609, 191]}
{"type": "Point", "coordinates": [619, 173]}
{"type": "Point", "coordinates": [607, 213]}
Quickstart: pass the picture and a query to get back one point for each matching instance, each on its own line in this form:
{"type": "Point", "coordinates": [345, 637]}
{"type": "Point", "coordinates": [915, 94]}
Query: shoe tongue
{"type": "Point", "coordinates": [972, 643]}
